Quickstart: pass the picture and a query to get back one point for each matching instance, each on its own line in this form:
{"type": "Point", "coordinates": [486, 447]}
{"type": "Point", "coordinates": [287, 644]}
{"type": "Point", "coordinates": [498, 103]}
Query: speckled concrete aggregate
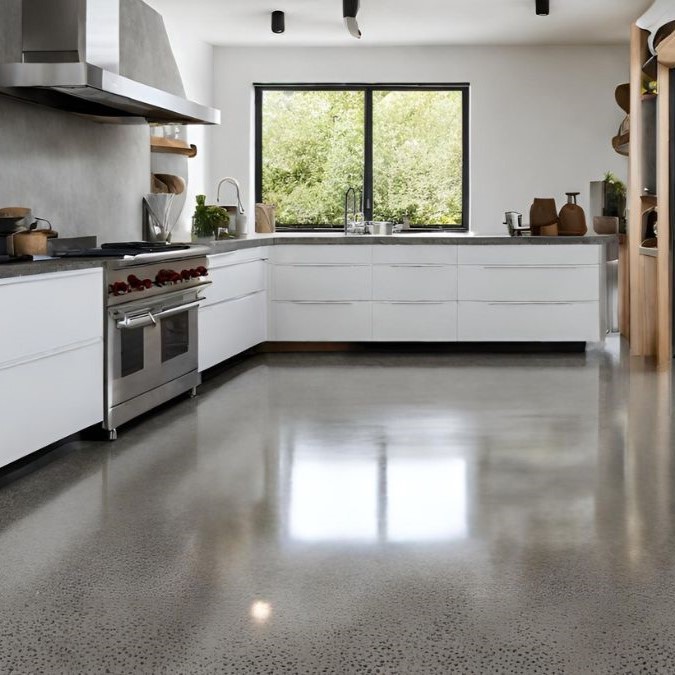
{"type": "Point", "coordinates": [358, 513]}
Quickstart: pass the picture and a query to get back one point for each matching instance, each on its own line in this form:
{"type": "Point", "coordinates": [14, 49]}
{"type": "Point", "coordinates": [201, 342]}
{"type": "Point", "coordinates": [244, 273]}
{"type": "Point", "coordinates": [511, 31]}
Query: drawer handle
{"type": "Point", "coordinates": [414, 302]}
{"type": "Point", "coordinates": [322, 265]}
{"type": "Point", "coordinates": [531, 302]}
{"type": "Point", "coordinates": [429, 265]}
{"type": "Point", "coordinates": [529, 267]}
{"type": "Point", "coordinates": [323, 302]}
{"type": "Point", "coordinates": [229, 265]}
{"type": "Point", "coordinates": [237, 297]}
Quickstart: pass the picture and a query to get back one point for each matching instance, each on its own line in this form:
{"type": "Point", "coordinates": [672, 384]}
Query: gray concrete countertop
{"type": "Point", "coordinates": [11, 270]}
{"type": "Point", "coordinates": [284, 238]}
{"type": "Point", "coordinates": [464, 239]}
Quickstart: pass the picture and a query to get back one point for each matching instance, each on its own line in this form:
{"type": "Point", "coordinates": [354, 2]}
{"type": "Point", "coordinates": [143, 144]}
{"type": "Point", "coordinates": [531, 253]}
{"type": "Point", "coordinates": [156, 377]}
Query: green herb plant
{"type": "Point", "coordinates": [207, 219]}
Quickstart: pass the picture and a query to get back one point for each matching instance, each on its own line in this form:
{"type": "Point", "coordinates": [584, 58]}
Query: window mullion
{"type": "Point", "coordinates": [368, 156]}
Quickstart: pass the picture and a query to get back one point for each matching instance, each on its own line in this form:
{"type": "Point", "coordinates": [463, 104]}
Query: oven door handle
{"type": "Point", "coordinates": [176, 310]}
{"type": "Point", "coordinates": [150, 319]}
{"type": "Point", "coordinates": [131, 322]}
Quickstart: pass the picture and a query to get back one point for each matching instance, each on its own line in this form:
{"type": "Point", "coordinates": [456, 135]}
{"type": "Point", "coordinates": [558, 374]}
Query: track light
{"type": "Point", "coordinates": [350, 8]}
{"type": "Point", "coordinates": [542, 7]}
{"type": "Point", "coordinates": [278, 22]}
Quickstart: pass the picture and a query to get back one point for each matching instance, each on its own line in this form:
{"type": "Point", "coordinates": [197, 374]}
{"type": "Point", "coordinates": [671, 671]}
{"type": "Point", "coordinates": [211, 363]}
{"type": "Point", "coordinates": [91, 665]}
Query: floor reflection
{"type": "Point", "coordinates": [379, 496]}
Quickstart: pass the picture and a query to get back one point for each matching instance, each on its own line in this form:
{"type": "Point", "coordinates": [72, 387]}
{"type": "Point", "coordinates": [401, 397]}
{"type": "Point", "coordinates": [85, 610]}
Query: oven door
{"type": "Point", "coordinates": [150, 345]}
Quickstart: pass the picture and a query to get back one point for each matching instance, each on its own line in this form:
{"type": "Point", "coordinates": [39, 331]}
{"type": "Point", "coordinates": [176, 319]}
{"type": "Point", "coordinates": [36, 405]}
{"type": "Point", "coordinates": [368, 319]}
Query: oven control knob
{"type": "Point", "coordinates": [186, 275]}
{"type": "Point", "coordinates": [135, 283]}
{"type": "Point", "coordinates": [147, 283]}
{"type": "Point", "coordinates": [120, 288]}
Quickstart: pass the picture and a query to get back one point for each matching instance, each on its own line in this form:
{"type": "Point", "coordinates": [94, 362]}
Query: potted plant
{"type": "Point", "coordinates": [615, 199]}
{"type": "Point", "coordinates": [207, 220]}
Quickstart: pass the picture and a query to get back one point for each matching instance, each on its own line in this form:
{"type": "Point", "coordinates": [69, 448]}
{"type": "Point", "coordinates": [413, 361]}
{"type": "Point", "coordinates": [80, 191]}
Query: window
{"type": "Point", "coordinates": [404, 147]}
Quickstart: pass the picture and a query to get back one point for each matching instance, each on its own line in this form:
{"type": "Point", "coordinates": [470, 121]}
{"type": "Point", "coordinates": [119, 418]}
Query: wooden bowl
{"type": "Point", "coordinates": [13, 219]}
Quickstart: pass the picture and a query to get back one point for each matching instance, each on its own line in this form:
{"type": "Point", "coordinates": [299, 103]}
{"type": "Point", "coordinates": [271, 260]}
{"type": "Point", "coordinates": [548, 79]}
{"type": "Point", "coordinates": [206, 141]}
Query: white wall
{"type": "Point", "coordinates": [195, 60]}
{"type": "Point", "coordinates": [542, 118]}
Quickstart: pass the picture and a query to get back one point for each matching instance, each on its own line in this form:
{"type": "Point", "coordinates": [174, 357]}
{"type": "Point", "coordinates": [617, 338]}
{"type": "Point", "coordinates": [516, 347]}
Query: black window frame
{"type": "Point", "coordinates": [368, 89]}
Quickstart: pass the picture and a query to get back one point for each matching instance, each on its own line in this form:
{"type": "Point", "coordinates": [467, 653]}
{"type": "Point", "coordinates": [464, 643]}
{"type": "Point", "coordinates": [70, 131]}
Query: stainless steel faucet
{"type": "Point", "coordinates": [356, 203]}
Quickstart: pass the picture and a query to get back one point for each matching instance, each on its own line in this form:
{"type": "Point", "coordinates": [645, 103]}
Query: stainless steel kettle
{"type": "Point", "coordinates": [514, 223]}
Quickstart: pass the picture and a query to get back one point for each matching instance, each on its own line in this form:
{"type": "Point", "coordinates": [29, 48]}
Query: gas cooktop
{"type": "Point", "coordinates": [123, 249]}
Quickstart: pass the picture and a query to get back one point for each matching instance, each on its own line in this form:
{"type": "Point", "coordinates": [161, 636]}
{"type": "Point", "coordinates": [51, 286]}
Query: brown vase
{"type": "Point", "coordinates": [572, 218]}
{"type": "Point", "coordinates": [544, 217]}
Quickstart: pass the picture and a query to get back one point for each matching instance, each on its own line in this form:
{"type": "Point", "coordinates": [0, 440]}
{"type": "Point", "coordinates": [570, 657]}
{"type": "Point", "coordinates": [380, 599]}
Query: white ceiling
{"type": "Point", "coordinates": [405, 22]}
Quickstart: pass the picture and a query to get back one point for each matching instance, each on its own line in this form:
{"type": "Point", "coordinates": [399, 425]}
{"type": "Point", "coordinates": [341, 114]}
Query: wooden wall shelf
{"type": "Point", "coordinates": [666, 52]}
{"type": "Point", "coordinates": [622, 144]}
{"type": "Point", "coordinates": [172, 146]}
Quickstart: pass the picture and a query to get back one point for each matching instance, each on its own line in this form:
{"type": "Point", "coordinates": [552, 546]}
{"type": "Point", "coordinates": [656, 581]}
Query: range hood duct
{"type": "Point", "coordinates": [71, 61]}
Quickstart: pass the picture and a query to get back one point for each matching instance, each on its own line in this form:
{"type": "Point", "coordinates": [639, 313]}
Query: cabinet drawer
{"type": "Point", "coordinates": [231, 327]}
{"type": "Point", "coordinates": [414, 322]}
{"type": "Point", "coordinates": [321, 282]}
{"type": "Point", "coordinates": [321, 321]}
{"type": "Point", "coordinates": [531, 254]}
{"type": "Point", "coordinates": [44, 313]}
{"type": "Point", "coordinates": [235, 257]}
{"type": "Point", "coordinates": [529, 322]}
{"type": "Point", "coordinates": [439, 254]}
{"type": "Point", "coordinates": [544, 283]}
{"type": "Point", "coordinates": [67, 389]}
{"type": "Point", "coordinates": [335, 254]}
{"type": "Point", "coordinates": [410, 282]}
{"type": "Point", "coordinates": [235, 280]}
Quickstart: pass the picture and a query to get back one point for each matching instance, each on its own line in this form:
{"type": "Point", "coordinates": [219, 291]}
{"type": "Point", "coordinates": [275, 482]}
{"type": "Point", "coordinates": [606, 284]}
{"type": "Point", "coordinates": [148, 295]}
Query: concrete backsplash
{"type": "Point", "coordinates": [86, 178]}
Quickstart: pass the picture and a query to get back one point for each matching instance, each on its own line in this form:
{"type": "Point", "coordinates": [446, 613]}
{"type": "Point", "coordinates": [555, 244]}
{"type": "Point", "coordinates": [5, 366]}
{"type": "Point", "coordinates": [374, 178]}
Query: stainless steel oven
{"type": "Point", "coordinates": [151, 339]}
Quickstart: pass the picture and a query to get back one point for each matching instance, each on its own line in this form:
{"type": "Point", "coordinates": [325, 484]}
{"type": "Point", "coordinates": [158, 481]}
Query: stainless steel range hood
{"type": "Point", "coordinates": [72, 56]}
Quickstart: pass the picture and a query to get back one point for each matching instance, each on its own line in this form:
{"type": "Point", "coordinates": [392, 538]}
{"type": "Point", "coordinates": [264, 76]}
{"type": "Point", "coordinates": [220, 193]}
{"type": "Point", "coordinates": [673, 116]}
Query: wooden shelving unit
{"type": "Point", "coordinates": [172, 146]}
{"type": "Point", "coordinates": [647, 304]}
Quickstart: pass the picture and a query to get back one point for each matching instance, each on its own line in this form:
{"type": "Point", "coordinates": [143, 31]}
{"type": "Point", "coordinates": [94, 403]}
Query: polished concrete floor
{"type": "Point", "coordinates": [358, 513]}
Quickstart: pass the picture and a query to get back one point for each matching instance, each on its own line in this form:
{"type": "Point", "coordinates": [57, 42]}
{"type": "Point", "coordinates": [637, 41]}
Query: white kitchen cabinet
{"type": "Point", "coordinates": [408, 282]}
{"type": "Point", "coordinates": [437, 293]}
{"type": "Point", "coordinates": [231, 327]}
{"type": "Point", "coordinates": [414, 321]}
{"type": "Point", "coordinates": [529, 321]}
{"type": "Point", "coordinates": [530, 254]}
{"type": "Point", "coordinates": [320, 254]}
{"type": "Point", "coordinates": [51, 363]}
{"type": "Point", "coordinates": [233, 316]}
{"type": "Point", "coordinates": [530, 293]}
{"type": "Point", "coordinates": [542, 283]}
{"type": "Point", "coordinates": [415, 254]}
{"type": "Point", "coordinates": [322, 282]}
{"type": "Point", "coordinates": [338, 321]}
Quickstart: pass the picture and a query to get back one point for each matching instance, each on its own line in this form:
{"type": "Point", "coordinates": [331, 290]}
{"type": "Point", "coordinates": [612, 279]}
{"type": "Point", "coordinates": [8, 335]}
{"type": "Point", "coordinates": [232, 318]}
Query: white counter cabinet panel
{"type": "Point", "coordinates": [421, 283]}
{"type": "Point", "coordinates": [315, 321]}
{"type": "Point", "coordinates": [321, 282]}
{"type": "Point", "coordinates": [233, 316]}
{"type": "Point", "coordinates": [321, 293]}
{"type": "Point", "coordinates": [531, 293]}
{"type": "Point", "coordinates": [399, 321]}
{"type": "Point", "coordinates": [51, 363]}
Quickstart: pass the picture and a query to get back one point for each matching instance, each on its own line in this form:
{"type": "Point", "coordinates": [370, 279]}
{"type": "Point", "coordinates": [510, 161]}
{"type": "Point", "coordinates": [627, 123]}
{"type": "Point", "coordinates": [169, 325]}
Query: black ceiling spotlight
{"type": "Point", "coordinates": [278, 21]}
{"type": "Point", "coordinates": [542, 7]}
{"type": "Point", "coordinates": [350, 8]}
